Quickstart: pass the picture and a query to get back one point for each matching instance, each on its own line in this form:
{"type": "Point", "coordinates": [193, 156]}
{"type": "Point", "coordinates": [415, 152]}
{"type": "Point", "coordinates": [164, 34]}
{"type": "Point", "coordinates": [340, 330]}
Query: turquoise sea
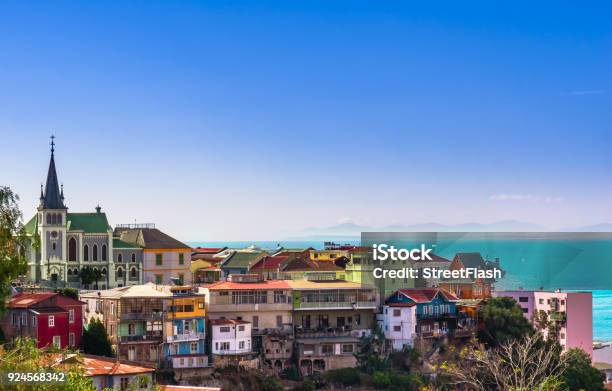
{"type": "Point", "coordinates": [562, 272]}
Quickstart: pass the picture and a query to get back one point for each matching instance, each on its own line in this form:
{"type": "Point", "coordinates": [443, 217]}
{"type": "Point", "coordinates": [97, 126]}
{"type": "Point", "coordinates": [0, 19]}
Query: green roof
{"type": "Point", "coordinates": [118, 243]}
{"type": "Point", "coordinates": [243, 259]}
{"type": "Point", "coordinates": [88, 222]}
{"type": "Point", "coordinates": [30, 226]}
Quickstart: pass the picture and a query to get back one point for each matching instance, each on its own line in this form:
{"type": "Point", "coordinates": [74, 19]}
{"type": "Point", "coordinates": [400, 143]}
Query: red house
{"type": "Point", "coordinates": [47, 317]}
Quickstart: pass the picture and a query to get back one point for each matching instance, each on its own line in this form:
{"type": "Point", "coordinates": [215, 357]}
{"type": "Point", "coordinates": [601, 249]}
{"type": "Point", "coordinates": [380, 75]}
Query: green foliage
{"type": "Point", "coordinates": [343, 376]}
{"type": "Point", "coordinates": [405, 360]}
{"type": "Point", "coordinates": [371, 355]}
{"type": "Point", "coordinates": [503, 321]}
{"type": "Point", "coordinates": [70, 292]}
{"type": "Point", "coordinates": [95, 340]}
{"type": "Point", "coordinates": [306, 385]}
{"type": "Point", "coordinates": [271, 384]}
{"type": "Point", "coordinates": [579, 374]}
{"type": "Point", "coordinates": [24, 356]}
{"type": "Point", "coordinates": [13, 243]}
{"type": "Point", "coordinates": [381, 380]}
{"type": "Point", "coordinates": [87, 275]}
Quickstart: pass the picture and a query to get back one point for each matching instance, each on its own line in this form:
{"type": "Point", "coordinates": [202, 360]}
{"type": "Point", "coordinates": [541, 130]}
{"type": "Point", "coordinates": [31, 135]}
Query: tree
{"type": "Point", "coordinates": [371, 353]}
{"type": "Point", "coordinates": [95, 340]}
{"type": "Point", "coordinates": [13, 242]}
{"type": "Point", "coordinates": [502, 321]}
{"type": "Point", "coordinates": [24, 356]}
{"type": "Point", "coordinates": [579, 373]}
{"type": "Point", "coordinates": [87, 276]}
{"type": "Point", "coordinates": [525, 364]}
{"type": "Point", "coordinates": [97, 275]}
{"type": "Point", "coordinates": [70, 292]}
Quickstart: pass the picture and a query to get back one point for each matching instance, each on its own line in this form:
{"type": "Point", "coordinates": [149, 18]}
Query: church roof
{"type": "Point", "coordinates": [30, 226]}
{"type": "Point", "coordinates": [88, 222]}
{"type": "Point", "coordinates": [118, 243]}
{"type": "Point", "coordinates": [53, 197]}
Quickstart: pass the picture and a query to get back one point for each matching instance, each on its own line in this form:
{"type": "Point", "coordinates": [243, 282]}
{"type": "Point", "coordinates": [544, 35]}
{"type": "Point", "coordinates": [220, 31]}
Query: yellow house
{"type": "Point", "coordinates": [327, 255]}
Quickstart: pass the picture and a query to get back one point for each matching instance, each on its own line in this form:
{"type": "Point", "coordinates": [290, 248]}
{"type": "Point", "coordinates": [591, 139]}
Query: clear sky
{"type": "Point", "coordinates": [255, 120]}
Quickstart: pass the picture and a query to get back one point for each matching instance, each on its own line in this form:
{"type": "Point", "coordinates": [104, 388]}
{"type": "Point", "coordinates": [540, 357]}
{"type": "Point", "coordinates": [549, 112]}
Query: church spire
{"type": "Point", "coordinates": [52, 198]}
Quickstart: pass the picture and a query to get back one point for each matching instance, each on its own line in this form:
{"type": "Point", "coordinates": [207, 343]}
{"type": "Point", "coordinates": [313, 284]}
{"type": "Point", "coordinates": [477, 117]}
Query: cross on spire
{"type": "Point", "coordinates": [52, 144]}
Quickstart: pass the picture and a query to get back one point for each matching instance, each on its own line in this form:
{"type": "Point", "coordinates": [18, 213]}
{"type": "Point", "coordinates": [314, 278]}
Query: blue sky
{"type": "Point", "coordinates": [257, 119]}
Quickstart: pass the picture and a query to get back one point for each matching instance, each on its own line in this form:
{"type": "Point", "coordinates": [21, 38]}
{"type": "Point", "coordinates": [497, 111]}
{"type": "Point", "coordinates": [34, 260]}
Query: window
{"type": "Point", "coordinates": [397, 328]}
{"type": "Point", "coordinates": [153, 353]}
{"type": "Point", "coordinates": [181, 278]}
{"type": "Point", "coordinates": [241, 345]}
{"type": "Point", "coordinates": [119, 258]}
{"type": "Point", "coordinates": [396, 312]}
{"type": "Point", "coordinates": [280, 297]}
{"type": "Point", "coordinates": [24, 319]}
{"type": "Point", "coordinates": [71, 315]}
{"type": "Point", "coordinates": [327, 349]}
{"type": "Point", "coordinates": [181, 259]}
{"type": "Point", "coordinates": [124, 383]}
{"type": "Point", "coordinates": [51, 321]}
{"type": "Point", "coordinates": [240, 328]}
{"type": "Point", "coordinates": [53, 245]}
{"type": "Point", "coordinates": [133, 257]}
{"type": "Point", "coordinates": [86, 252]}
{"type": "Point", "coordinates": [112, 308]}
{"type": "Point", "coordinates": [72, 246]}
{"type": "Point", "coordinates": [104, 252]}
{"type": "Point", "coordinates": [158, 278]}
{"type": "Point", "coordinates": [525, 310]}
{"type": "Point", "coordinates": [71, 339]}
{"type": "Point", "coordinates": [224, 346]}
{"type": "Point", "coordinates": [541, 301]}
{"type": "Point", "coordinates": [348, 348]}
{"type": "Point", "coordinates": [255, 321]}
{"type": "Point", "coordinates": [15, 319]}
{"type": "Point", "coordinates": [159, 259]}
{"type": "Point", "coordinates": [194, 347]}
{"type": "Point", "coordinates": [201, 305]}
{"type": "Point", "coordinates": [131, 329]}
{"type": "Point", "coordinates": [119, 272]}
{"type": "Point", "coordinates": [34, 321]}
{"type": "Point", "coordinates": [358, 319]}
{"type": "Point", "coordinates": [132, 353]}
{"type": "Point", "coordinates": [224, 329]}
{"type": "Point", "coordinates": [57, 341]}
{"type": "Point", "coordinates": [94, 254]}
{"type": "Point", "coordinates": [523, 299]}
{"type": "Point", "coordinates": [279, 321]}
{"type": "Point", "coordinates": [133, 273]}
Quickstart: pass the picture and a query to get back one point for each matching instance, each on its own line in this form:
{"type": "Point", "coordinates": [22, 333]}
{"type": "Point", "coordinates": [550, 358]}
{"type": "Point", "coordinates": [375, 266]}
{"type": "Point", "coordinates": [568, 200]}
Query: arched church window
{"type": "Point", "coordinates": [119, 272]}
{"type": "Point", "coordinates": [59, 219]}
{"type": "Point", "coordinates": [133, 272]}
{"type": "Point", "coordinates": [72, 249]}
{"type": "Point", "coordinates": [69, 271]}
{"type": "Point", "coordinates": [48, 218]}
{"type": "Point", "coordinates": [86, 253]}
{"type": "Point", "coordinates": [120, 258]}
{"type": "Point", "coordinates": [95, 253]}
{"type": "Point", "coordinates": [104, 252]}
{"type": "Point", "coordinates": [103, 271]}
{"type": "Point", "coordinates": [133, 257]}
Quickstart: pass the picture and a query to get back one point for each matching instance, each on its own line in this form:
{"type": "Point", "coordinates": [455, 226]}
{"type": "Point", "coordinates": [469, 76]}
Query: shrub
{"type": "Point", "coordinates": [306, 385]}
{"type": "Point", "coordinates": [271, 384]}
{"type": "Point", "coordinates": [343, 376]}
{"type": "Point", "coordinates": [291, 373]}
{"type": "Point", "coordinates": [381, 380]}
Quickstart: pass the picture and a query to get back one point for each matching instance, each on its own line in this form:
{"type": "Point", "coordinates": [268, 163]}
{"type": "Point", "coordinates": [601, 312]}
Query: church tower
{"type": "Point", "coordinates": [52, 226]}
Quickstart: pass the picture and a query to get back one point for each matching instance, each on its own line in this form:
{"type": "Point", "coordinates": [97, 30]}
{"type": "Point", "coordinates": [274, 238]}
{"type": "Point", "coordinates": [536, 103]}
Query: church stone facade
{"type": "Point", "coordinates": [63, 243]}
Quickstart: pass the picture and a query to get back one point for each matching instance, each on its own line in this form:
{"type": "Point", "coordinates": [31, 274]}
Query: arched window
{"type": "Point", "coordinates": [104, 252]}
{"type": "Point", "coordinates": [86, 253]}
{"type": "Point", "coordinates": [72, 249]}
{"type": "Point", "coordinates": [119, 258]}
{"type": "Point", "coordinates": [103, 271]}
{"type": "Point", "coordinates": [59, 219]}
{"type": "Point", "coordinates": [119, 272]}
{"type": "Point", "coordinates": [133, 257]}
{"type": "Point", "coordinates": [133, 272]}
{"type": "Point", "coordinates": [48, 218]}
{"type": "Point", "coordinates": [69, 271]}
{"type": "Point", "coordinates": [95, 253]}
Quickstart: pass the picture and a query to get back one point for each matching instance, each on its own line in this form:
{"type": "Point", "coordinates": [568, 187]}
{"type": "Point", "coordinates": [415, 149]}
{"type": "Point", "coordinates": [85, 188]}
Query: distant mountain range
{"type": "Point", "coordinates": [351, 231]}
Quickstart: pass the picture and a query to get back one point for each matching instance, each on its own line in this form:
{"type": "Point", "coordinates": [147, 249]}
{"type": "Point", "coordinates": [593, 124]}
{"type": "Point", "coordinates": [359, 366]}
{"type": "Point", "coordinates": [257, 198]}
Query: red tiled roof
{"type": "Point", "coordinates": [49, 310]}
{"type": "Point", "coordinates": [218, 322]}
{"type": "Point", "coordinates": [270, 262]}
{"type": "Point", "coordinates": [25, 300]}
{"type": "Point", "coordinates": [208, 250]}
{"type": "Point", "coordinates": [96, 365]}
{"type": "Point", "coordinates": [425, 295]}
{"type": "Point", "coordinates": [304, 264]}
{"type": "Point", "coordinates": [189, 388]}
{"type": "Point", "coordinates": [264, 285]}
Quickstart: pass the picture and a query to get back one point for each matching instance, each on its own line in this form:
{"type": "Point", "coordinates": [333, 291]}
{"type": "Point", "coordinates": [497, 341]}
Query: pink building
{"type": "Point", "coordinates": [573, 312]}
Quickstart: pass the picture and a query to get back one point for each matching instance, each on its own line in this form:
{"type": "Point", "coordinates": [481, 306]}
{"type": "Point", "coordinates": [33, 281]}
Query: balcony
{"type": "Point", "coordinates": [337, 305]}
{"type": "Point", "coordinates": [150, 337]}
{"type": "Point", "coordinates": [232, 352]}
{"type": "Point", "coordinates": [191, 336]}
{"type": "Point", "coordinates": [444, 315]}
{"type": "Point", "coordinates": [150, 316]}
{"type": "Point", "coordinates": [434, 333]}
{"type": "Point", "coordinates": [558, 316]}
